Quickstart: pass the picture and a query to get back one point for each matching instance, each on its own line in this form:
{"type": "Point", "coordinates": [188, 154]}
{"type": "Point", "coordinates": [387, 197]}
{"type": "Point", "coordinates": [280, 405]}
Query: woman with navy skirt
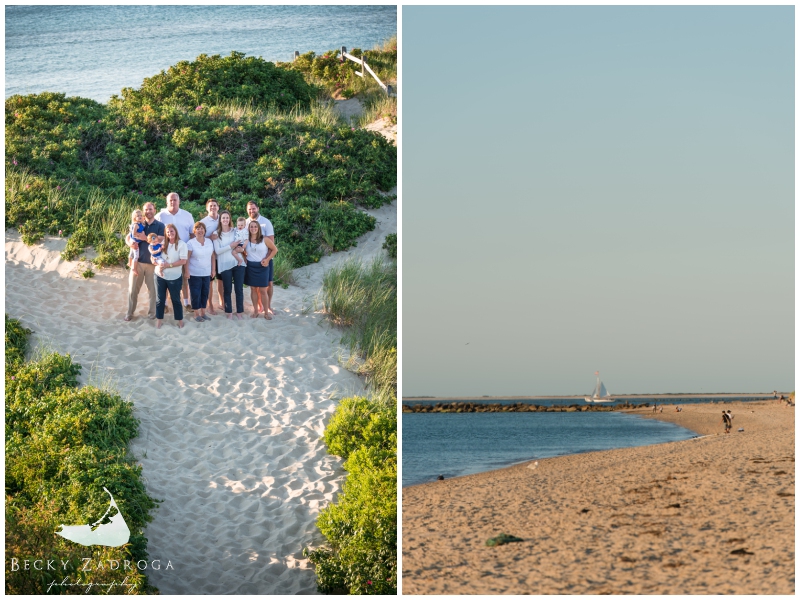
{"type": "Point", "coordinates": [259, 251]}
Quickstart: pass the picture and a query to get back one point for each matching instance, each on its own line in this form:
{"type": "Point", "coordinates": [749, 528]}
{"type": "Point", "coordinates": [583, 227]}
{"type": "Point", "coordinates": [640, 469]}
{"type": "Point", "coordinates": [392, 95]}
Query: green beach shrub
{"type": "Point", "coordinates": [361, 527]}
{"type": "Point", "coordinates": [63, 445]}
{"type": "Point", "coordinates": [16, 345]}
{"type": "Point", "coordinates": [390, 245]}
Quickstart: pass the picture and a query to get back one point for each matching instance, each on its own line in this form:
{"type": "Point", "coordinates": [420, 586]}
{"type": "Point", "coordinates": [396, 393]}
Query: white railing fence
{"type": "Point", "coordinates": [364, 68]}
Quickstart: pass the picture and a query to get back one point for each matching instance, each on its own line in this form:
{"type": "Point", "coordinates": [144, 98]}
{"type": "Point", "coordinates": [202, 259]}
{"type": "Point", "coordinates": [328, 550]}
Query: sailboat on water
{"type": "Point", "coordinates": [600, 392]}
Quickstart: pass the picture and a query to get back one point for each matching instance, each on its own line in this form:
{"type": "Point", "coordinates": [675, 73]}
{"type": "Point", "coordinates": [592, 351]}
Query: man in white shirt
{"type": "Point", "coordinates": [268, 231]}
{"type": "Point", "coordinates": [184, 223]}
{"type": "Point", "coordinates": [211, 221]}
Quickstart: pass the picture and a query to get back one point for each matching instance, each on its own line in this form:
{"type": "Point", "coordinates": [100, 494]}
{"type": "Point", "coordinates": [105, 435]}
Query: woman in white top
{"type": "Point", "coordinates": [229, 272]}
{"type": "Point", "coordinates": [211, 221]}
{"type": "Point", "coordinates": [201, 270]}
{"type": "Point", "coordinates": [259, 250]}
{"type": "Point", "coordinates": [169, 275]}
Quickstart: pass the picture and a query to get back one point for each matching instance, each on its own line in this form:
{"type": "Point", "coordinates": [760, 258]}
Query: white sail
{"type": "Point", "coordinates": [600, 394]}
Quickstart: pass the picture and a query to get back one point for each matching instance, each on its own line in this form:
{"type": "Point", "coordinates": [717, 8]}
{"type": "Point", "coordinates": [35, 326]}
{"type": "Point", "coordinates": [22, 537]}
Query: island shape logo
{"type": "Point", "coordinates": [113, 534]}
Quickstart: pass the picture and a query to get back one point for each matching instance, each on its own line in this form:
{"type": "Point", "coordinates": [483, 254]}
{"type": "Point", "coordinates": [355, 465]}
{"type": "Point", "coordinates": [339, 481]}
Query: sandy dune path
{"type": "Point", "coordinates": [711, 515]}
{"type": "Point", "coordinates": [231, 414]}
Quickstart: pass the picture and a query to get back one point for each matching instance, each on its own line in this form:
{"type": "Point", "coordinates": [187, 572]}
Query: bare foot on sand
{"type": "Point", "coordinates": [159, 323]}
{"type": "Point", "coordinates": [254, 315]}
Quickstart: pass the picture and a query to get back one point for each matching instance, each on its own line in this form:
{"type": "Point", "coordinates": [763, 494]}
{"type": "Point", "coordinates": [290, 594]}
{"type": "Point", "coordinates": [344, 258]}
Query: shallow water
{"type": "Point", "coordinates": [95, 51]}
{"type": "Point", "coordinates": [454, 444]}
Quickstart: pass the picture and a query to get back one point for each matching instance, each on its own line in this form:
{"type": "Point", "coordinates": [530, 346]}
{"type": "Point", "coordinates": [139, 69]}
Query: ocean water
{"type": "Point", "coordinates": [454, 444]}
{"type": "Point", "coordinates": [95, 51]}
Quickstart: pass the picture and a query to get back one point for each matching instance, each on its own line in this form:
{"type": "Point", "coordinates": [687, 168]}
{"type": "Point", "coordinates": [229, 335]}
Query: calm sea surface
{"type": "Point", "coordinates": [95, 51]}
{"type": "Point", "coordinates": [453, 444]}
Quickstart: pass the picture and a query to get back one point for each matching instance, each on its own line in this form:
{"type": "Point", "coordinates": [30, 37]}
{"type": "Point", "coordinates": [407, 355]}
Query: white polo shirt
{"type": "Point", "coordinates": [266, 225]}
{"type": "Point", "coordinates": [211, 225]}
{"type": "Point", "coordinates": [183, 221]}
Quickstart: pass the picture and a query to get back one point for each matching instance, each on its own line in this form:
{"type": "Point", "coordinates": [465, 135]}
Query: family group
{"type": "Point", "coordinates": [169, 252]}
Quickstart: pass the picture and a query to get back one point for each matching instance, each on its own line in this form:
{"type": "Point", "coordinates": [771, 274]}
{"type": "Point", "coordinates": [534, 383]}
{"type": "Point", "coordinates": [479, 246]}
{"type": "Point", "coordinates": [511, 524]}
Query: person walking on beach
{"type": "Point", "coordinates": [268, 232]}
{"type": "Point", "coordinates": [184, 223]}
{"type": "Point", "coordinates": [726, 421]}
{"type": "Point", "coordinates": [730, 418]}
{"type": "Point", "coordinates": [146, 268]}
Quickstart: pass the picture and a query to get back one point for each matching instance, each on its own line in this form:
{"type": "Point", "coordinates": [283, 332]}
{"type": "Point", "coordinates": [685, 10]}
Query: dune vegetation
{"type": "Point", "coordinates": [232, 128]}
{"type": "Point", "coordinates": [63, 444]}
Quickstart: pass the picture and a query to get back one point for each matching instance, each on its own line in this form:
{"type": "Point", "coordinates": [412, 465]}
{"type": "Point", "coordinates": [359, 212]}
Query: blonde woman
{"type": "Point", "coordinates": [169, 275]}
{"type": "Point", "coordinates": [259, 251]}
{"type": "Point", "coordinates": [202, 270]}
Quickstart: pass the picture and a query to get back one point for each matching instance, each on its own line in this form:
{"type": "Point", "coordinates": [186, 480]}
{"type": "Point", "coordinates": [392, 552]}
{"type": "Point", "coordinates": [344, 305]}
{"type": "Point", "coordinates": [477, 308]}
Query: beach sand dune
{"type": "Point", "coordinates": [231, 413]}
{"type": "Point", "coordinates": [711, 515]}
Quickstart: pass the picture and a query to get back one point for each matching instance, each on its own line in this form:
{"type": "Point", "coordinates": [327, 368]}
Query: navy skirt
{"type": "Point", "coordinates": [255, 275]}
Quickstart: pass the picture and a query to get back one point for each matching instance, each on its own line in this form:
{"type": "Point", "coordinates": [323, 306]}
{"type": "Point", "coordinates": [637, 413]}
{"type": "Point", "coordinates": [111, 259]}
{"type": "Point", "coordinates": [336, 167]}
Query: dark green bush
{"type": "Point", "coordinates": [390, 244]}
{"type": "Point", "coordinates": [361, 527]}
{"type": "Point", "coordinates": [63, 445]}
{"type": "Point", "coordinates": [16, 344]}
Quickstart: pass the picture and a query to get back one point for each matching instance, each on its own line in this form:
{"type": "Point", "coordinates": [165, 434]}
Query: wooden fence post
{"type": "Point", "coordinates": [296, 55]}
{"type": "Point", "coordinates": [344, 51]}
{"type": "Point", "coordinates": [388, 90]}
{"type": "Point", "coordinates": [362, 65]}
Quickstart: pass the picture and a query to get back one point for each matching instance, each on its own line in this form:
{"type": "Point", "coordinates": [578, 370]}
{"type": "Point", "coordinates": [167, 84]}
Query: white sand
{"type": "Point", "coordinates": [231, 413]}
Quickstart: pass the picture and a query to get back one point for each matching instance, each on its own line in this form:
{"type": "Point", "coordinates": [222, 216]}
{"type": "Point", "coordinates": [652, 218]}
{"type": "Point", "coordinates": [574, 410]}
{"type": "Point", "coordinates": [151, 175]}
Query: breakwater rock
{"type": "Point", "coordinates": [482, 407]}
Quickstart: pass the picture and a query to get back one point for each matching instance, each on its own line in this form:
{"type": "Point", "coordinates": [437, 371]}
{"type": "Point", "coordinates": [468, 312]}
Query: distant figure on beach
{"type": "Point", "coordinates": [655, 407]}
{"type": "Point", "coordinates": [730, 418]}
{"type": "Point", "coordinates": [726, 420]}
{"type": "Point", "coordinates": [145, 268]}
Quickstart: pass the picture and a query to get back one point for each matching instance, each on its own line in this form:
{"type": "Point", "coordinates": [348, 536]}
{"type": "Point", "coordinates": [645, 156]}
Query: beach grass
{"type": "Point", "coordinates": [361, 298]}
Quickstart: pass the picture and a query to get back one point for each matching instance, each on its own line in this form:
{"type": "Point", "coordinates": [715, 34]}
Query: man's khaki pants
{"type": "Point", "coordinates": [146, 275]}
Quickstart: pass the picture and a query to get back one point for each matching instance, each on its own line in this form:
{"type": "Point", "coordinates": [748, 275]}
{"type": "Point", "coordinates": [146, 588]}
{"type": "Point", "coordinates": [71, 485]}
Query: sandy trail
{"type": "Point", "coordinates": [709, 515]}
{"type": "Point", "coordinates": [231, 413]}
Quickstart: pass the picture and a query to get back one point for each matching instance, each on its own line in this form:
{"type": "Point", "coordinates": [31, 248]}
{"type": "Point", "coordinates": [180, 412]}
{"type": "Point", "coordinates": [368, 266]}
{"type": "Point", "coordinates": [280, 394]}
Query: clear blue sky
{"type": "Point", "coordinates": [594, 188]}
